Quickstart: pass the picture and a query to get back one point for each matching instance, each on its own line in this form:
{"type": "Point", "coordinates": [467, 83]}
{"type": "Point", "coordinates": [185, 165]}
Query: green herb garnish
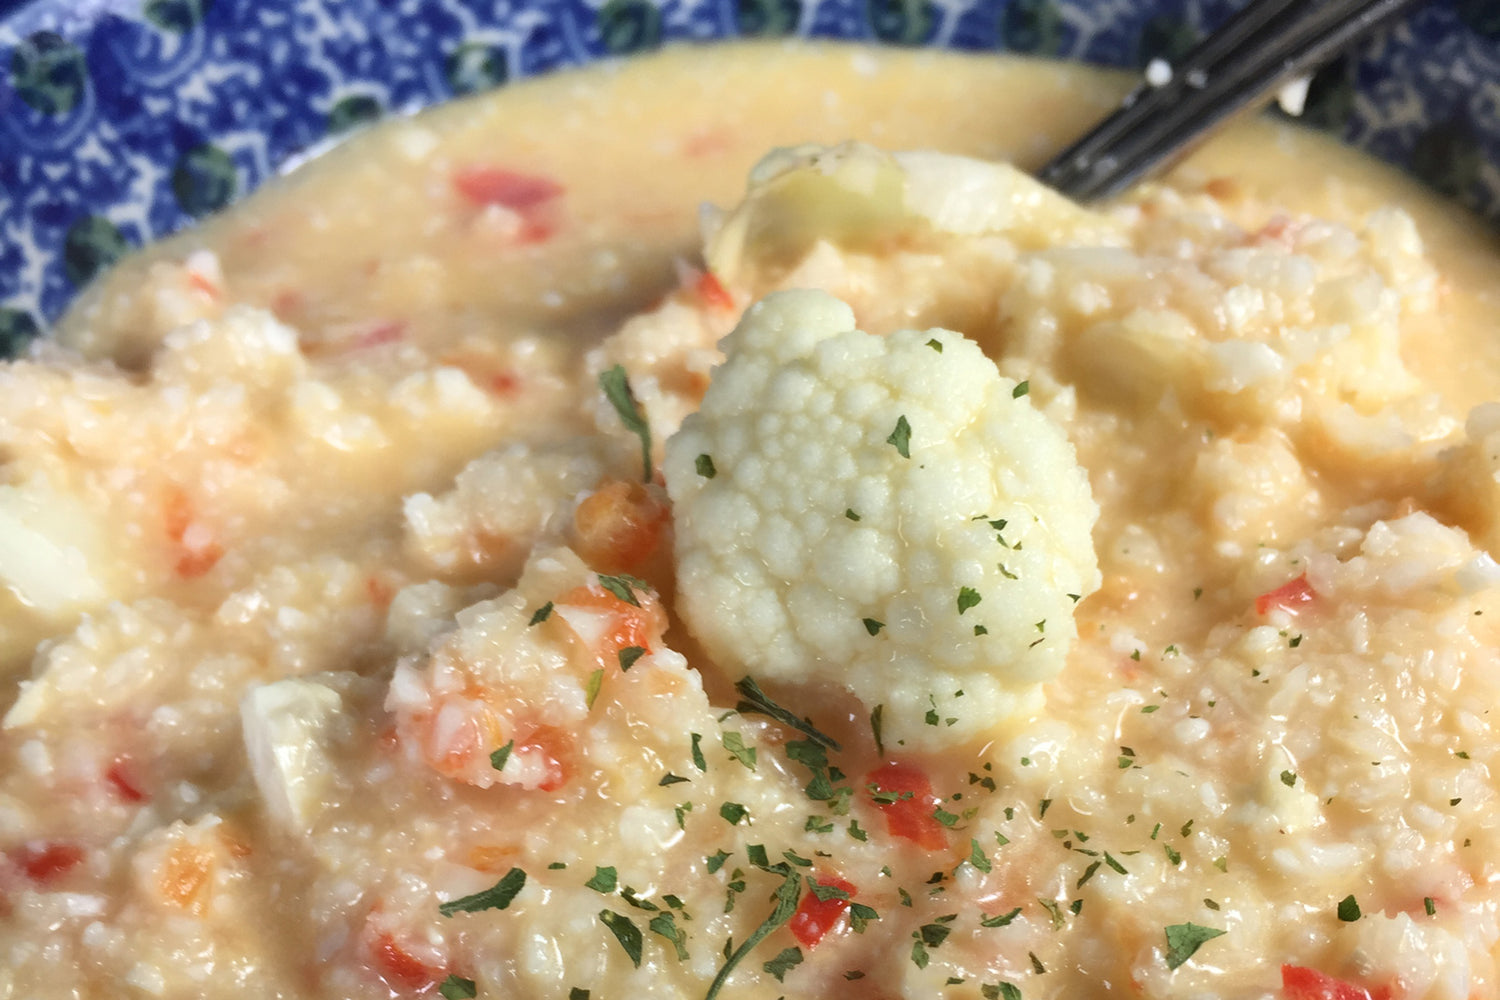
{"type": "Point", "coordinates": [901, 437]}
{"type": "Point", "coordinates": [625, 932]}
{"type": "Point", "coordinates": [497, 897]}
{"type": "Point", "coordinates": [616, 388]}
{"type": "Point", "coordinates": [621, 586]}
{"type": "Point", "coordinates": [786, 896]}
{"type": "Point", "coordinates": [756, 700]}
{"type": "Point", "coordinates": [456, 987]}
{"type": "Point", "coordinates": [1185, 939]}
{"type": "Point", "coordinates": [1000, 919]}
{"type": "Point", "coordinates": [604, 880]}
{"type": "Point", "coordinates": [665, 924]}
{"type": "Point", "coordinates": [785, 961]}
{"type": "Point", "coordinates": [735, 744]}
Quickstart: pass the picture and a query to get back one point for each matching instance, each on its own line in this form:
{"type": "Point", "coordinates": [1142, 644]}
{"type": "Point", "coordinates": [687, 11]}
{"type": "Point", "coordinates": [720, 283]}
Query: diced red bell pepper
{"type": "Point", "coordinates": [815, 917]}
{"type": "Point", "coordinates": [713, 293]}
{"type": "Point", "coordinates": [400, 969]}
{"type": "Point", "coordinates": [123, 778]}
{"type": "Point", "coordinates": [910, 815]}
{"type": "Point", "coordinates": [497, 186]}
{"type": "Point", "coordinates": [388, 331]}
{"type": "Point", "coordinates": [1301, 983]}
{"type": "Point", "coordinates": [45, 863]}
{"type": "Point", "coordinates": [1290, 597]}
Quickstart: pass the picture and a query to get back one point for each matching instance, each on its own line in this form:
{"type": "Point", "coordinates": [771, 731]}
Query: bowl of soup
{"type": "Point", "coordinates": [587, 499]}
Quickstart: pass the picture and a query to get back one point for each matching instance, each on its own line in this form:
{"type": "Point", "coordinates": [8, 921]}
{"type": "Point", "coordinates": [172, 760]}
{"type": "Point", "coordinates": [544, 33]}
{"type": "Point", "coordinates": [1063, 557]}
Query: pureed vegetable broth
{"type": "Point", "coordinates": [267, 749]}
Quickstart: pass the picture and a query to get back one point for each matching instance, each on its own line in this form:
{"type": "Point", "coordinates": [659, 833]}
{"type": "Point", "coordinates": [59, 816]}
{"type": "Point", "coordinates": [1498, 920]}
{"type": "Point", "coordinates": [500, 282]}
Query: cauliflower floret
{"type": "Point", "coordinates": [865, 199]}
{"type": "Point", "coordinates": [884, 513]}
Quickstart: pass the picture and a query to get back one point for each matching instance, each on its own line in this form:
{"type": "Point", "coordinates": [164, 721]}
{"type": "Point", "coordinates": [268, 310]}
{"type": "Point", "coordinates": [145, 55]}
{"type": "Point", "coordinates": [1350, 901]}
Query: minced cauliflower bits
{"type": "Point", "coordinates": [888, 514]}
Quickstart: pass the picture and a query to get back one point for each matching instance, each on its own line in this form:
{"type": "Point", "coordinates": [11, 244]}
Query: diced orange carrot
{"type": "Point", "coordinates": [621, 524]}
{"type": "Point", "coordinates": [184, 876]}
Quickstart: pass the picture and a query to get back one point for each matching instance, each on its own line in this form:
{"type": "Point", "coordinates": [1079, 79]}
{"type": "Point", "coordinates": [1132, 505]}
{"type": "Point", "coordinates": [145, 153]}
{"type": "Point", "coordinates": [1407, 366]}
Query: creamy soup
{"type": "Point", "coordinates": [471, 567]}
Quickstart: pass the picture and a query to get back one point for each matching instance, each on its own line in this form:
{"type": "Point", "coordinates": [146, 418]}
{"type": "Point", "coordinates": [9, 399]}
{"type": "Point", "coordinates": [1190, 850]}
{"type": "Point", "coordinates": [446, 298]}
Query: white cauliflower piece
{"type": "Point", "coordinates": [52, 548]}
{"type": "Point", "coordinates": [285, 727]}
{"type": "Point", "coordinates": [884, 513]}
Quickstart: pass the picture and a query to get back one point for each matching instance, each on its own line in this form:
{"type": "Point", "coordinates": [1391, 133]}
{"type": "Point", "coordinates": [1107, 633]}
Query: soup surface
{"type": "Point", "coordinates": [1136, 638]}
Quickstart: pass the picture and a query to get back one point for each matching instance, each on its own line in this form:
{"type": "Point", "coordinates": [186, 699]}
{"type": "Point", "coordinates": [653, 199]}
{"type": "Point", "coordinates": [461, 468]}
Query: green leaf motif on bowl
{"type": "Point", "coordinates": [48, 73]}
{"type": "Point", "coordinates": [475, 67]}
{"type": "Point", "coordinates": [627, 26]}
{"type": "Point", "coordinates": [93, 243]}
{"type": "Point", "coordinates": [177, 16]}
{"type": "Point", "coordinates": [767, 18]}
{"type": "Point", "coordinates": [1034, 27]}
{"type": "Point", "coordinates": [903, 22]}
{"type": "Point", "coordinates": [17, 329]}
{"type": "Point", "coordinates": [204, 180]}
{"type": "Point", "coordinates": [352, 112]}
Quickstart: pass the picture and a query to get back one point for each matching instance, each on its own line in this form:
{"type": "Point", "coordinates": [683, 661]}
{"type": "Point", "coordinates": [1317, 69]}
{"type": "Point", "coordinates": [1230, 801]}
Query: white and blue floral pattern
{"type": "Point", "coordinates": [124, 120]}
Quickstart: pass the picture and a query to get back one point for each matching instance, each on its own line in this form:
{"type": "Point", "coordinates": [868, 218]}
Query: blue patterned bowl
{"type": "Point", "coordinates": [124, 120]}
